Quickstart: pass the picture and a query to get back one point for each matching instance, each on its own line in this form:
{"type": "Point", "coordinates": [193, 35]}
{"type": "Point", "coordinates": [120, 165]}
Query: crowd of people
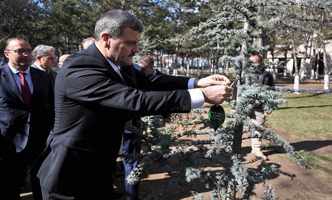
{"type": "Point", "coordinates": [66, 129]}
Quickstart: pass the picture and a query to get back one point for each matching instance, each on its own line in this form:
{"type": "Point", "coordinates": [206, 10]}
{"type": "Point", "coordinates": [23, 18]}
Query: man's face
{"type": "Point", "coordinates": [47, 62]}
{"type": "Point", "coordinates": [256, 64]}
{"type": "Point", "coordinates": [123, 48]}
{"type": "Point", "coordinates": [19, 54]}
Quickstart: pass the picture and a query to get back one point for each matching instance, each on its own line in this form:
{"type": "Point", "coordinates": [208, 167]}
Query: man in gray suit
{"type": "Point", "coordinates": [45, 59]}
{"type": "Point", "coordinates": [26, 118]}
{"type": "Point", "coordinates": [96, 92]}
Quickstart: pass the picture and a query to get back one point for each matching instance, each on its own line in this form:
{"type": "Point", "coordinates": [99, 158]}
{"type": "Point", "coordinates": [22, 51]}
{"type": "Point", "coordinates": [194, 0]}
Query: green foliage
{"type": "Point", "coordinates": [64, 24]}
{"type": "Point", "coordinates": [16, 18]}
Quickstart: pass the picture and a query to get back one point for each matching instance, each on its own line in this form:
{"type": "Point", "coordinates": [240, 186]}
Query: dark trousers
{"type": "Point", "coordinates": [130, 146]}
{"type": "Point", "coordinates": [91, 196]}
{"type": "Point", "coordinates": [54, 196]}
{"type": "Point", "coordinates": [13, 170]}
{"type": "Point", "coordinates": [88, 177]}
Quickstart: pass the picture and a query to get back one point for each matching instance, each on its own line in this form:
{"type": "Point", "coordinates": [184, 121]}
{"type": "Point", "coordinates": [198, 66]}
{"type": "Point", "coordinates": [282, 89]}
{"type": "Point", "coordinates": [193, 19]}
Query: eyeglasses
{"type": "Point", "coordinates": [21, 51]}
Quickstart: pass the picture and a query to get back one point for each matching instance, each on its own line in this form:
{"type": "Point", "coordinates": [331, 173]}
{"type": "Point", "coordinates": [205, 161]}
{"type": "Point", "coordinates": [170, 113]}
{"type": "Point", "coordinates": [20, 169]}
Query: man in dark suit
{"type": "Point", "coordinates": [26, 118]}
{"type": "Point", "coordinates": [94, 100]}
{"type": "Point", "coordinates": [45, 59]}
{"type": "Point", "coordinates": [146, 64]}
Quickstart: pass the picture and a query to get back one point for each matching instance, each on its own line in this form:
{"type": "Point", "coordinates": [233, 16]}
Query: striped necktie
{"type": "Point", "coordinates": [118, 71]}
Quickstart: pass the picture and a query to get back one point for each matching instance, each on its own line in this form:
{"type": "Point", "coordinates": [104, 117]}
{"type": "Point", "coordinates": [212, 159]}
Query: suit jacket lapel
{"type": "Point", "coordinates": [53, 75]}
{"type": "Point", "coordinates": [8, 76]}
{"type": "Point", "coordinates": [35, 82]}
{"type": "Point", "coordinates": [128, 73]}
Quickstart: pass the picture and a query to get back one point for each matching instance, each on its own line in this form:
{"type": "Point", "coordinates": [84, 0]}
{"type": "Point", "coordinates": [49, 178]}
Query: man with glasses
{"type": "Point", "coordinates": [26, 118]}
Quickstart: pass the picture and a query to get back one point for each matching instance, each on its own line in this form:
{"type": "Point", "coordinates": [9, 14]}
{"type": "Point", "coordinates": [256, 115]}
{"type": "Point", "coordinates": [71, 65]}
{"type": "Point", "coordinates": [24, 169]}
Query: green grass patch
{"type": "Point", "coordinates": [307, 115]}
{"type": "Point", "coordinates": [315, 160]}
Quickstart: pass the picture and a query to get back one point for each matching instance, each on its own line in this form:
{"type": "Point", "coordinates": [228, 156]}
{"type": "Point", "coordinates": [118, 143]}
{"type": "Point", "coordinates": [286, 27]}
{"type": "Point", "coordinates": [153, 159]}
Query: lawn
{"type": "Point", "coordinates": [306, 117]}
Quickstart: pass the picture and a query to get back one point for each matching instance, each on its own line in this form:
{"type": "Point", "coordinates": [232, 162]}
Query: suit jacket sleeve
{"type": "Point", "coordinates": [89, 82]}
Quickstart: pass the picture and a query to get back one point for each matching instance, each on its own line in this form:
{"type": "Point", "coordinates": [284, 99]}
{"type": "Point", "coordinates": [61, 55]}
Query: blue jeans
{"type": "Point", "coordinates": [129, 147]}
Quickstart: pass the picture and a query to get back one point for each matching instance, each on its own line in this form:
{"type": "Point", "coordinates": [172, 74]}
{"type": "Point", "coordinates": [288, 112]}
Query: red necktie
{"type": "Point", "coordinates": [25, 89]}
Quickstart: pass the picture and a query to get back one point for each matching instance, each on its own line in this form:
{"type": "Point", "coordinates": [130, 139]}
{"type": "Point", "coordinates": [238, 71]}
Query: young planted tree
{"type": "Point", "coordinates": [233, 30]}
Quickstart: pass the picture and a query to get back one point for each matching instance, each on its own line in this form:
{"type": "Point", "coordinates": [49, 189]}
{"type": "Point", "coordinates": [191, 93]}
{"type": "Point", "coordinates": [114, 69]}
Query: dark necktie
{"type": "Point", "coordinates": [25, 88]}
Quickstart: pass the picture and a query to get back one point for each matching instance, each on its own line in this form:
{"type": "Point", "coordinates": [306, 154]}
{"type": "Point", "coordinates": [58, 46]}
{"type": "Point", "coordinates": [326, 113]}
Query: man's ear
{"type": "Point", "coordinates": [106, 38]}
{"type": "Point", "coordinates": [6, 54]}
{"type": "Point", "coordinates": [38, 58]}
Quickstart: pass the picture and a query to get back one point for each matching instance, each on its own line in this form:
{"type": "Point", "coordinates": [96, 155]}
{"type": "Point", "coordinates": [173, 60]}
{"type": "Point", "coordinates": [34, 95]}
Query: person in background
{"type": "Point", "coordinates": [26, 118]}
{"type": "Point", "coordinates": [147, 64]}
{"type": "Point", "coordinates": [96, 92]}
{"type": "Point", "coordinates": [257, 114]}
{"type": "Point", "coordinates": [87, 42]}
{"type": "Point", "coordinates": [130, 143]}
{"type": "Point", "coordinates": [62, 59]}
{"type": "Point", "coordinates": [45, 59]}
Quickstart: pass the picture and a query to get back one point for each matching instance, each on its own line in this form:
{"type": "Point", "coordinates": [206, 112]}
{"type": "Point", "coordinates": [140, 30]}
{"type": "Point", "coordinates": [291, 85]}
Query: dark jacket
{"type": "Point", "coordinates": [92, 104]}
{"type": "Point", "coordinates": [17, 119]}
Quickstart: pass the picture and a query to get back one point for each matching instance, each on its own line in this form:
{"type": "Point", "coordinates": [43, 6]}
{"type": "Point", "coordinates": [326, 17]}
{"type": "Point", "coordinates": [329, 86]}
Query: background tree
{"type": "Point", "coordinates": [17, 18]}
{"type": "Point", "coordinates": [321, 12]}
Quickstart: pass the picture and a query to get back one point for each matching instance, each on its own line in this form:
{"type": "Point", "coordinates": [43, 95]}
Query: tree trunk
{"type": "Point", "coordinates": [296, 77]}
{"type": "Point", "coordinates": [326, 72]}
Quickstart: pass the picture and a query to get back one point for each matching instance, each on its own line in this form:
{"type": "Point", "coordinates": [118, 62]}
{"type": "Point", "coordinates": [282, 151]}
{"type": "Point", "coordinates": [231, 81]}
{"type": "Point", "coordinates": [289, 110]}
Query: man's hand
{"type": "Point", "coordinates": [216, 94]}
{"type": "Point", "coordinates": [212, 80]}
{"type": "Point", "coordinates": [233, 111]}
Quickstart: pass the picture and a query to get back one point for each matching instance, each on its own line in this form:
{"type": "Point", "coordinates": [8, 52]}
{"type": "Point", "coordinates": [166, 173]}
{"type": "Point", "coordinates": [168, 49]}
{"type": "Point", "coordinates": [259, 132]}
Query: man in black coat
{"type": "Point", "coordinates": [26, 118]}
{"type": "Point", "coordinates": [96, 92]}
